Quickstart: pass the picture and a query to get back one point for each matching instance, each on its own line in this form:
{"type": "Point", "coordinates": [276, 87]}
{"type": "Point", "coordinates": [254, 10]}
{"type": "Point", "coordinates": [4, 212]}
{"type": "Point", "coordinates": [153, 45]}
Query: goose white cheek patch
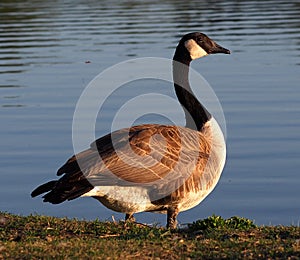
{"type": "Point", "coordinates": [194, 49]}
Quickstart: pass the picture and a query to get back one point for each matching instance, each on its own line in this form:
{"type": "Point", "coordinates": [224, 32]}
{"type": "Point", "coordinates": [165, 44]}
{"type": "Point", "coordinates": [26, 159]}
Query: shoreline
{"type": "Point", "coordinates": [36, 236]}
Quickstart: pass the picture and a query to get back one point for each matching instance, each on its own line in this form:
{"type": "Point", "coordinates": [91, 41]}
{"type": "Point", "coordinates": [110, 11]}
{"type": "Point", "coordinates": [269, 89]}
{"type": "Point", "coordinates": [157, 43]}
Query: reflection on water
{"type": "Point", "coordinates": [49, 51]}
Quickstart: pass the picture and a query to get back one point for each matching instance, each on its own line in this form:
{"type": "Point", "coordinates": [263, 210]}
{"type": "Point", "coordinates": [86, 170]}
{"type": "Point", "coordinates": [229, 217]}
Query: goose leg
{"type": "Point", "coordinates": [129, 217]}
{"type": "Point", "coordinates": [171, 218]}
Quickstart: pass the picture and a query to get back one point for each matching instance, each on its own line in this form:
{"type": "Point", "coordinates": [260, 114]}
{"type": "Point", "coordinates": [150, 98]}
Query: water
{"type": "Point", "coordinates": [50, 51]}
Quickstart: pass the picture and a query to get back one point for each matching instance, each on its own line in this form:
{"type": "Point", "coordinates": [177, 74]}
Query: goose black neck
{"type": "Point", "coordinates": [195, 113]}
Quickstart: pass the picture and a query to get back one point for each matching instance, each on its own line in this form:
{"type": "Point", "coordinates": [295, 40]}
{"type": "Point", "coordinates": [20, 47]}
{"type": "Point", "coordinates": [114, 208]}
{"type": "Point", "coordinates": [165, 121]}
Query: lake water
{"type": "Point", "coordinates": [50, 51]}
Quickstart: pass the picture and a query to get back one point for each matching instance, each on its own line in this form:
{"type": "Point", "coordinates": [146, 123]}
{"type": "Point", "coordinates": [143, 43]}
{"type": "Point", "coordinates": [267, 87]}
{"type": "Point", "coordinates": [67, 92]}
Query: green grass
{"type": "Point", "coordinates": [36, 237]}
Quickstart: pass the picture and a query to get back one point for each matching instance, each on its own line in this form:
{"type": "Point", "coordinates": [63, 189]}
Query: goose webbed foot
{"type": "Point", "coordinates": [129, 217]}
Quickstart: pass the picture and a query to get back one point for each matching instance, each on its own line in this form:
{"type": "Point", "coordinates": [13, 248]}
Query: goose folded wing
{"type": "Point", "coordinates": [141, 155]}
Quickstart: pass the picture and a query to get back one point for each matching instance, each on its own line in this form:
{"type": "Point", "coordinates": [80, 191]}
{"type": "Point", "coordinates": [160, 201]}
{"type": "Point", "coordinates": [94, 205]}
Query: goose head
{"type": "Point", "coordinates": [196, 45]}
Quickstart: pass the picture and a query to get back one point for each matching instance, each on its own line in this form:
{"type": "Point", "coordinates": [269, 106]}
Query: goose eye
{"type": "Point", "coordinates": [199, 41]}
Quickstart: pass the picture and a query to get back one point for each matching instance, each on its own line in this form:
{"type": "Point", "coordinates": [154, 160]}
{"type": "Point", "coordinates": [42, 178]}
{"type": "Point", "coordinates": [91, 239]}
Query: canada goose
{"type": "Point", "coordinates": [200, 148]}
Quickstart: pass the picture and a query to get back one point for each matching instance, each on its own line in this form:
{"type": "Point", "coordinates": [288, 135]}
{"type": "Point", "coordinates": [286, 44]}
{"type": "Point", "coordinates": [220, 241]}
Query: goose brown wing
{"type": "Point", "coordinates": [144, 154]}
{"type": "Point", "coordinates": [141, 154]}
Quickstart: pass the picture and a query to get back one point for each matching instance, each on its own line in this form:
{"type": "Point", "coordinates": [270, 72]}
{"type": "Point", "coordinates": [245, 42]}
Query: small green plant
{"type": "Point", "coordinates": [239, 223]}
{"type": "Point", "coordinates": [217, 222]}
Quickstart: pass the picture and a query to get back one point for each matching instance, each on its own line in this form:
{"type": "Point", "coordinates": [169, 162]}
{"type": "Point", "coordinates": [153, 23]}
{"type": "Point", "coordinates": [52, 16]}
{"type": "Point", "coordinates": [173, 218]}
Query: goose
{"type": "Point", "coordinates": [187, 162]}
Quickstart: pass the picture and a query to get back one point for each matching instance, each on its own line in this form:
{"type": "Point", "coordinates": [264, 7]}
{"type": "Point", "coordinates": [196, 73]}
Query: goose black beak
{"type": "Point", "coordinates": [218, 49]}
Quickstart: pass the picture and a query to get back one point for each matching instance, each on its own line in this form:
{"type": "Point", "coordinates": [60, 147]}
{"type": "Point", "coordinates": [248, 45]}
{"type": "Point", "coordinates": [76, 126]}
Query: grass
{"type": "Point", "coordinates": [36, 237]}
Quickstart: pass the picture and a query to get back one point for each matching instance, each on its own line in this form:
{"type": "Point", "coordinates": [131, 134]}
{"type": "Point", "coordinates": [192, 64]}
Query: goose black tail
{"type": "Point", "coordinates": [60, 191]}
{"type": "Point", "coordinates": [43, 188]}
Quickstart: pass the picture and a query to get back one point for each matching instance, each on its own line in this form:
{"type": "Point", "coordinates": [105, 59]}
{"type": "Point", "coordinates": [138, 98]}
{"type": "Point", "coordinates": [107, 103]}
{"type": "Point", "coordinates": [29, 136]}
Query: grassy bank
{"type": "Point", "coordinates": [35, 237]}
